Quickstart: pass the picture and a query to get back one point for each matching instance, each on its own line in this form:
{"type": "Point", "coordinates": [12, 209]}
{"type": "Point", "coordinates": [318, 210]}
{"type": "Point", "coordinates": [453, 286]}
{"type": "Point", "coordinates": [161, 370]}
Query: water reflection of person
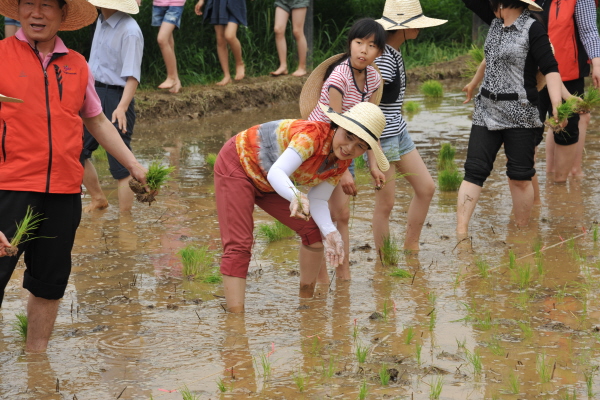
{"type": "Point", "coordinates": [235, 353]}
{"type": "Point", "coordinates": [255, 167]}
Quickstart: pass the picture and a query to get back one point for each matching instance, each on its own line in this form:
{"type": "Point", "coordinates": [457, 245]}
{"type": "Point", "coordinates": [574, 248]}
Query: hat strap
{"type": "Point", "coordinates": [354, 122]}
{"type": "Point", "coordinates": [394, 23]}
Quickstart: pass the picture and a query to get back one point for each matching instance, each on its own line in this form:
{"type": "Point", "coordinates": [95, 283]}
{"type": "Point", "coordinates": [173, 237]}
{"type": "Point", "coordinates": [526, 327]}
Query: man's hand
{"type": "Point", "coordinates": [120, 117]}
{"type": "Point", "coordinates": [348, 185]}
{"type": "Point", "coordinates": [3, 245]}
{"type": "Point", "coordinates": [334, 249]}
{"type": "Point", "coordinates": [300, 207]}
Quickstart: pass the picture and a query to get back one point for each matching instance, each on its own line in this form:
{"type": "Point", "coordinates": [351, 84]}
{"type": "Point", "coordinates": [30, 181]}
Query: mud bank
{"type": "Point", "coordinates": [260, 92]}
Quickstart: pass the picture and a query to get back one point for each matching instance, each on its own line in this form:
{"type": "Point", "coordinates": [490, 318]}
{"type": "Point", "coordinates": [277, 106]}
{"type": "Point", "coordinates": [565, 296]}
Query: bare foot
{"type": "Point", "coordinates": [96, 205]}
{"type": "Point", "coordinates": [176, 87]}
{"type": "Point", "coordinates": [168, 83]}
{"type": "Point", "coordinates": [226, 80]}
{"type": "Point", "coordinates": [280, 71]}
{"type": "Point", "coordinates": [299, 72]}
{"type": "Point", "coordinates": [240, 72]}
{"type": "Point", "coordinates": [342, 273]}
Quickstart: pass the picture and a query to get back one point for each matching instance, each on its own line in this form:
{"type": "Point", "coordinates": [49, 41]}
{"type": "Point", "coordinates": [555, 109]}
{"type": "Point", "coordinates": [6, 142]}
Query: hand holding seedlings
{"type": "Point", "coordinates": [378, 177]}
{"type": "Point", "coordinates": [590, 100]}
{"type": "Point", "coordinates": [24, 233]}
{"type": "Point", "coordinates": [348, 185]}
{"type": "Point", "coordinates": [561, 113]}
{"type": "Point", "coordinates": [299, 206]}
{"type": "Point", "coordinates": [156, 176]}
{"type": "Point", "coordinates": [4, 245]}
{"type": "Point", "coordinates": [334, 248]}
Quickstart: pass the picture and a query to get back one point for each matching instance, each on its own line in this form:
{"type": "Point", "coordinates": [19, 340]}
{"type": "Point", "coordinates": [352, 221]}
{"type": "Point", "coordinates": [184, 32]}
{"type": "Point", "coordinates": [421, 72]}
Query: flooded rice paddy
{"type": "Point", "coordinates": [511, 314]}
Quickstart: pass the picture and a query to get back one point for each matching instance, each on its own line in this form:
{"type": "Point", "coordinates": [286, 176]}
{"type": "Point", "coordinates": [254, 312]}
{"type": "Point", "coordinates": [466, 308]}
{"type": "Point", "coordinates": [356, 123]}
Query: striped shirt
{"type": "Point", "coordinates": [391, 66]}
{"type": "Point", "coordinates": [342, 79]}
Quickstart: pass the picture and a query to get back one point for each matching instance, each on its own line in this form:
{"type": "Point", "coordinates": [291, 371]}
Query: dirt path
{"type": "Point", "coordinates": [198, 101]}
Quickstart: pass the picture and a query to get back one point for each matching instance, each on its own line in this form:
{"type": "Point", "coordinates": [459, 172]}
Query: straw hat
{"type": "Point", "coordinates": [6, 99]}
{"type": "Point", "coordinates": [126, 6]}
{"type": "Point", "coordinates": [365, 120]}
{"type": "Point", "coordinates": [81, 13]}
{"type": "Point", "coordinates": [532, 5]}
{"type": "Point", "coordinates": [406, 14]}
{"type": "Point", "coordinates": [311, 91]}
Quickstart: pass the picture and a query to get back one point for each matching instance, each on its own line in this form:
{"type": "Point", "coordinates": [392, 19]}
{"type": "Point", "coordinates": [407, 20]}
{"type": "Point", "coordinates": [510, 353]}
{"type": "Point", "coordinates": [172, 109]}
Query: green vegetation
{"type": "Point", "coordinates": [589, 383]}
{"type": "Point", "coordinates": [432, 88]}
{"type": "Point", "coordinates": [410, 334]}
{"type": "Point", "coordinates": [418, 350]}
{"type": "Point", "coordinates": [449, 180]}
{"type": "Point", "coordinates": [157, 175]}
{"type": "Point", "coordinates": [401, 273]}
{"type": "Point", "coordinates": [544, 370]}
{"type": "Point", "coordinates": [361, 352]}
{"type": "Point", "coordinates": [25, 229]}
{"type": "Point", "coordinates": [483, 267]}
{"type": "Point", "coordinates": [275, 231]}
{"type": "Point", "coordinates": [514, 385]}
{"type": "Point", "coordinates": [411, 107]}
{"type": "Point", "coordinates": [591, 100]}
{"type": "Point", "coordinates": [20, 325]}
{"type": "Point", "coordinates": [211, 159]}
{"type": "Point", "coordinates": [221, 385]}
{"type": "Point", "coordinates": [477, 55]}
{"type": "Point", "coordinates": [100, 154]}
{"type": "Point", "coordinates": [300, 381]}
{"type": "Point", "coordinates": [265, 365]}
{"type": "Point", "coordinates": [363, 391]}
{"type": "Point", "coordinates": [197, 262]}
{"type": "Point", "coordinates": [474, 360]}
{"type": "Point", "coordinates": [523, 276]}
{"type": "Point", "coordinates": [329, 369]}
{"type": "Point", "coordinates": [564, 111]}
{"type": "Point", "coordinates": [186, 394]}
{"type": "Point", "coordinates": [526, 328]}
{"type": "Point", "coordinates": [446, 157]}
{"type": "Point", "coordinates": [360, 164]}
{"type": "Point", "coordinates": [436, 386]}
{"type": "Point", "coordinates": [390, 251]}
{"type": "Point", "coordinates": [384, 375]}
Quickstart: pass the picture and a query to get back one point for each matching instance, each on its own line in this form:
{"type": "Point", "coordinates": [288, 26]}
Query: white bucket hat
{"type": "Point", "coordinates": [126, 6]}
{"type": "Point", "coordinates": [365, 120]}
{"type": "Point", "coordinates": [6, 99]}
{"type": "Point", "coordinates": [81, 13]}
{"type": "Point", "coordinates": [406, 14]}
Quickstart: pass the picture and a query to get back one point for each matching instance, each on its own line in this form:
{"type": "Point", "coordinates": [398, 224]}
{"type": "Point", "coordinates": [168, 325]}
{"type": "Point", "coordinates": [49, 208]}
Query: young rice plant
{"type": "Point", "coordinates": [25, 229]}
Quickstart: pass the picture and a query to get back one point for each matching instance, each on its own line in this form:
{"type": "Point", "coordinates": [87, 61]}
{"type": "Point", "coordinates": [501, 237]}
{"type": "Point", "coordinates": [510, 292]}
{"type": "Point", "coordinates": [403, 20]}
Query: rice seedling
{"type": "Point", "coordinates": [20, 325]}
{"type": "Point", "coordinates": [355, 331]}
{"type": "Point", "coordinates": [25, 230]}
{"type": "Point", "coordinates": [512, 260]}
{"type": "Point", "coordinates": [213, 277]}
{"type": "Point", "coordinates": [384, 375]}
{"type": "Point", "coordinates": [401, 273]}
{"type": "Point", "coordinates": [446, 157]}
{"type": "Point", "coordinates": [432, 88]}
{"type": "Point", "coordinates": [196, 261]}
{"type": "Point", "coordinates": [484, 323]}
{"type": "Point", "coordinates": [483, 267]}
{"type": "Point", "coordinates": [432, 320]}
{"type": "Point", "coordinates": [561, 293]}
{"type": "Point", "coordinates": [390, 251]}
{"type": "Point", "coordinates": [221, 385]}
{"type": "Point", "coordinates": [514, 384]}
{"type": "Point", "coordinates": [544, 370]}
{"type": "Point", "coordinates": [523, 276]}
{"type": "Point", "coordinates": [526, 329]}
{"type": "Point", "coordinates": [211, 159]}
{"type": "Point", "coordinates": [474, 360]}
{"type": "Point", "coordinates": [564, 111]}
{"type": "Point", "coordinates": [186, 394]}
{"type": "Point", "coordinates": [360, 163]}
{"type": "Point", "coordinates": [275, 231]}
{"type": "Point", "coordinates": [361, 352]}
{"type": "Point", "coordinates": [449, 180]}
{"type": "Point", "coordinates": [265, 365]}
{"type": "Point", "coordinates": [418, 350]}
{"type": "Point", "coordinates": [100, 154]}
{"type": "Point", "coordinates": [386, 310]}
{"type": "Point", "coordinates": [411, 107]}
{"type": "Point", "coordinates": [329, 369]}
{"type": "Point", "coordinates": [363, 391]}
{"type": "Point", "coordinates": [437, 383]}
{"type": "Point", "coordinates": [461, 343]}
{"type": "Point", "coordinates": [457, 279]}
{"type": "Point", "coordinates": [589, 383]}
{"type": "Point", "coordinates": [410, 334]}
{"type": "Point", "coordinates": [156, 177]}
{"type": "Point", "coordinates": [568, 396]}
{"type": "Point", "coordinates": [495, 346]}
{"type": "Point", "coordinates": [431, 297]}
{"type": "Point", "coordinates": [316, 346]}
{"type": "Point", "coordinates": [300, 381]}
{"type": "Point", "coordinates": [595, 233]}
{"type": "Point", "coordinates": [590, 100]}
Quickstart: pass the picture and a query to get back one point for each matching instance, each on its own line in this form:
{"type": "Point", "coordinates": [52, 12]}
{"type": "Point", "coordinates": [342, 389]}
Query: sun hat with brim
{"type": "Point", "coordinates": [406, 14]}
{"type": "Point", "coordinates": [126, 6]}
{"type": "Point", "coordinates": [532, 5]}
{"type": "Point", "coordinates": [81, 13]}
{"type": "Point", "coordinates": [311, 91]}
{"type": "Point", "coordinates": [365, 120]}
{"type": "Point", "coordinates": [6, 99]}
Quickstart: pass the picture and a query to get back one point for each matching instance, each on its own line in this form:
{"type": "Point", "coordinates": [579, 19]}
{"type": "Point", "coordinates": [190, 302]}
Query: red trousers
{"type": "Point", "coordinates": [235, 196]}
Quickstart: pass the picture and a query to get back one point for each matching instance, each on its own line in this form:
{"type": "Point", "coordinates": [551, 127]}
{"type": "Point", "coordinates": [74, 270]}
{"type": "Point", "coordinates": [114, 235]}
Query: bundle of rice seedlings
{"type": "Point", "coordinates": [20, 325]}
{"type": "Point", "coordinates": [275, 231]}
{"type": "Point", "coordinates": [360, 163]}
{"type": "Point", "coordinates": [446, 157]}
{"type": "Point", "coordinates": [591, 99]}
{"type": "Point", "coordinates": [449, 180]}
{"type": "Point", "coordinates": [211, 159]}
{"type": "Point", "coordinates": [564, 111]}
{"type": "Point", "coordinates": [432, 88]}
{"type": "Point", "coordinates": [157, 175]}
{"type": "Point", "coordinates": [411, 107]}
{"type": "Point", "coordinates": [25, 229]}
{"type": "Point", "coordinates": [197, 261]}
{"type": "Point", "coordinates": [100, 154]}
{"type": "Point", "coordinates": [390, 251]}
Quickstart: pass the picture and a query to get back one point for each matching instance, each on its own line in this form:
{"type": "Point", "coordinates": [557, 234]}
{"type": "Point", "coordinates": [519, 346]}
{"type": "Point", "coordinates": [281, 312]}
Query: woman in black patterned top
{"type": "Point", "coordinates": [505, 108]}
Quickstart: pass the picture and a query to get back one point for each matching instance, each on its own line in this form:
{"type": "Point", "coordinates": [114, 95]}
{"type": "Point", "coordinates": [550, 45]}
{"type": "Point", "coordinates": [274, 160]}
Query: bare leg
{"type": "Point", "coordinates": [236, 50]}
{"type": "Point", "coordinates": [281, 19]}
{"type": "Point", "coordinates": [92, 185]}
{"type": "Point", "coordinates": [125, 195]}
{"type": "Point", "coordinates": [235, 293]}
{"type": "Point", "coordinates": [384, 203]}
{"type": "Point", "coordinates": [420, 179]}
{"type": "Point", "coordinates": [223, 54]}
{"type": "Point", "coordinates": [167, 48]}
{"type": "Point", "coordinates": [41, 314]}
{"type": "Point", "coordinates": [564, 157]}
{"type": "Point", "coordinates": [468, 195]}
{"type": "Point", "coordinates": [310, 264]}
{"type": "Point", "coordinates": [522, 196]}
{"type": "Point", "coordinates": [535, 183]}
{"type": "Point", "coordinates": [550, 145]}
{"type": "Point", "coordinates": [298, 17]}
{"type": "Point", "coordinates": [584, 120]}
{"type": "Point", "coordinates": [339, 204]}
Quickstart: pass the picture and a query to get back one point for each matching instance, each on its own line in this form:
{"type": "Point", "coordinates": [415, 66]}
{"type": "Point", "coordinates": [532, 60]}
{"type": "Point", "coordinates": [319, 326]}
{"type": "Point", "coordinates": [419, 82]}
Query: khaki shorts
{"type": "Point", "coordinates": [289, 5]}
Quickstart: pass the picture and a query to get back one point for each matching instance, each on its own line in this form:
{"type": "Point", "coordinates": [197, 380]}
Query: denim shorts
{"type": "Point", "coordinates": [170, 14]}
{"type": "Point", "coordinates": [394, 147]}
{"type": "Point", "coordinates": [8, 21]}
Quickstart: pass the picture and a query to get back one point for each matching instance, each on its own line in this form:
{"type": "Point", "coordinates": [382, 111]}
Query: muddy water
{"type": "Point", "coordinates": [130, 326]}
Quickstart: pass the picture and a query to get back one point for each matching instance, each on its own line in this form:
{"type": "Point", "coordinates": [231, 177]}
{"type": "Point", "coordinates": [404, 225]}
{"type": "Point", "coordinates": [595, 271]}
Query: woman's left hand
{"type": "Point", "coordinates": [334, 248]}
{"type": "Point", "coordinates": [300, 207]}
{"type": "Point", "coordinates": [378, 177]}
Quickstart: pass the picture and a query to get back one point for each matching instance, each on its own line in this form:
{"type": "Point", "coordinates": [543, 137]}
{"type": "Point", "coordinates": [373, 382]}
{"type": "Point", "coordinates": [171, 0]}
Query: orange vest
{"type": "Point", "coordinates": [41, 139]}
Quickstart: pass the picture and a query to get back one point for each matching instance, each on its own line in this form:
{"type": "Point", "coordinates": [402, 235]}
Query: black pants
{"type": "Point", "coordinates": [570, 135]}
{"type": "Point", "coordinates": [519, 146]}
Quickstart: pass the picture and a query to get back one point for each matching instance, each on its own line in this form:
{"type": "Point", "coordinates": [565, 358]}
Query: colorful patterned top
{"type": "Point", "coordinates": [260, 146]}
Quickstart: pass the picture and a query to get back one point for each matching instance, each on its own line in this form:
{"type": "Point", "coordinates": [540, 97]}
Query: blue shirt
{"type": "Point", "coordinates": [117, 49]}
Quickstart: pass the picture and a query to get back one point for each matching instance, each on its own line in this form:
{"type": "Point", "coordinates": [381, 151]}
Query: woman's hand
{"type": "Point", "coordinates": [198, 7]}
{"type": "Point", "coordinates": [348, 185]}
{"type": "Point", "coordinates": [334, 249]}
{"type": "Point", "coordinates": [3, 245]}
{"type": "Point", "coordinates": [299, 207]}
{"type": "Point", "coordinates": [379, 178]}
{"type": "Point", "coordinates": [469, 88]}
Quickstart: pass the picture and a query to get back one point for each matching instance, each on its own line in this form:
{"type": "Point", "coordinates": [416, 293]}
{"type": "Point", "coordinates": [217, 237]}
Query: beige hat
{"type": "Point", "coordinates": [81, 13]}
{"type": "Point", "coordinates": [6, 99]}
{"type": "Point", "coordinates": [406, 14]}
{"type": "Point", "coordinates": [365, 120]}
{"type": "Point", "coordinates": [311, 91]}
{"type": "Point", "coordinates": [126, 6]}
{"type": "Point", "coordinates": [532, 5]}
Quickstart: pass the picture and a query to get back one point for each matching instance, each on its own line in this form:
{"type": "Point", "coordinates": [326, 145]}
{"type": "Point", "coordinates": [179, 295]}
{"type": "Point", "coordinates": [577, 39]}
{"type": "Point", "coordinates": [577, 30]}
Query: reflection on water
{"type": "Point", "coordinates": [130, 326]}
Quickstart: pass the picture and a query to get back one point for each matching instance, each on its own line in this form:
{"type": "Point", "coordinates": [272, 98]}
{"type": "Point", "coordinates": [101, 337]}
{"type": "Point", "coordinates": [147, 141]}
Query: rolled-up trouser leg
{"type": "Point", "coordinates": [519, 146]}
{"type": "Point", "coordinates": [481, 154]}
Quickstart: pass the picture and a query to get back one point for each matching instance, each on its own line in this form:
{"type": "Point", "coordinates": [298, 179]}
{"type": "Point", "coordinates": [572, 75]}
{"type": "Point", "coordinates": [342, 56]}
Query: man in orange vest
{"type": "Point", "coordinates": [41, 140]}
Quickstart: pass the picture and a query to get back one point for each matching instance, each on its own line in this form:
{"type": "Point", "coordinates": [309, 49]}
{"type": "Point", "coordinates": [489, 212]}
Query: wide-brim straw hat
{"type": "Point", "coordinates": [126, 6]}
{"type": "Point", "coordinates": [406, 14]}
{"type": "Point", "coordinates": [365, 120]}
{"type": "Point", "coordinates": [6, 99]}
{"type": "Point", "coordinates": [311, 91]}
{"type": "Point", "coordinates": [532, 5]}
{"type": "Point", "coordinates": [81, 13]}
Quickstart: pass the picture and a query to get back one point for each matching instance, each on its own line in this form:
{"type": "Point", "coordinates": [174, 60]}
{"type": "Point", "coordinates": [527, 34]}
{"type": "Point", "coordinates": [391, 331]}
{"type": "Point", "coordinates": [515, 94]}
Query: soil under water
{"type": "Point", "coordinates": [468, 319]}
